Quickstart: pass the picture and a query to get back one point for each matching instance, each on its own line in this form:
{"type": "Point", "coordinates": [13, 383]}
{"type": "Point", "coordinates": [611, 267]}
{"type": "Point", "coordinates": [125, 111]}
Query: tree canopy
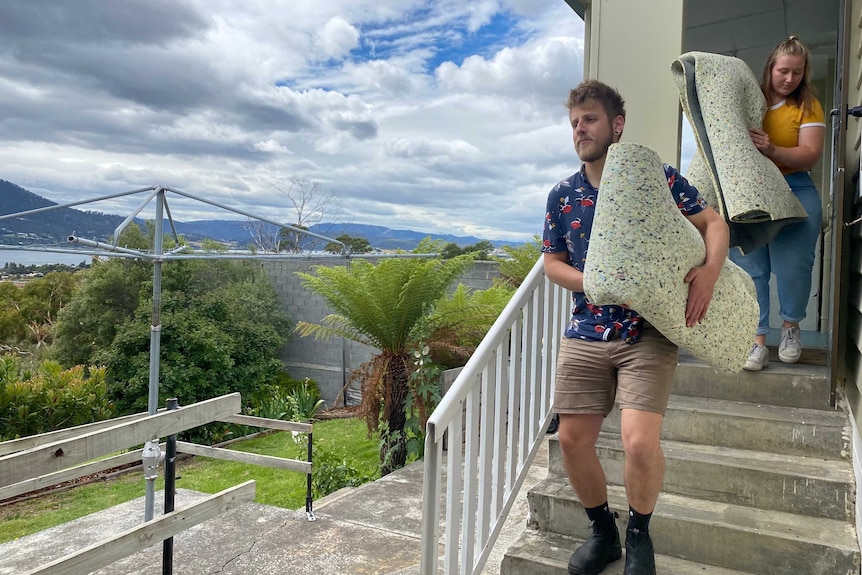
{"type": "Point", "coordinates": [221, 327]}
{"type": "Point", "coordinates": [480, 250]}
{"type": "Point", "coordinates": [28, 313]}
{"type": "Point", "coordinates": [221, 330]}
{"type": "Point", "coordinates": [309, 203]}
{"type": "Point", "coordinates": [355, 245]}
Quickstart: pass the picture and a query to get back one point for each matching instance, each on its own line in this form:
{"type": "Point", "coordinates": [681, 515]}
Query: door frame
{"type": "Point", "coordinates": [841, 205]}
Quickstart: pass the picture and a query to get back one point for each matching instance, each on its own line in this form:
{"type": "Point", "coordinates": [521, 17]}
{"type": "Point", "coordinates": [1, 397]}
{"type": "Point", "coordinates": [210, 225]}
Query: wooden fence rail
{"type": "Point", "coordinates": [53, 457]}
{"type": "Point", "coordinates": [39, 461]}
{"type": "Point", "coordinates": [31, 441]}
{"type": "Point", "coordinates": [147, 534]}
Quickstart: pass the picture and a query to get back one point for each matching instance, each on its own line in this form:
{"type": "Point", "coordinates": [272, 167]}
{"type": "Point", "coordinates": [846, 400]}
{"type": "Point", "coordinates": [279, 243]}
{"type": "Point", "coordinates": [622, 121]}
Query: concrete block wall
{"type": "Point", "coordinates": [330, 362]}
{"type": "Point", "coordinates": [480, 276]}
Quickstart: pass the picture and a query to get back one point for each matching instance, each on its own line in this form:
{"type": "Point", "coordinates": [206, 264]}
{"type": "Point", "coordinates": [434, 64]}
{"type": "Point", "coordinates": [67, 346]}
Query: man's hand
{"type": "Point", "coordinates": [701, 279]}
{"type": "Point", "coordinates": [701, 283]}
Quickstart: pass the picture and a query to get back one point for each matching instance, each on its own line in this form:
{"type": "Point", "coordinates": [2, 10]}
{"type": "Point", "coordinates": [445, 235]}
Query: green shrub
{"type": "Point", "coordinates": [458, 323]}
{"type": "Point", "coordinates": [49, 398]}
{"type": "Point", "coordinates": [221, 329]}
{"type": "Point", "coordinates": [288, 400]}
{"type": "Point", "coordinates": [515, 268]}
{"type": "Point", "coordinates": [331, 472]}
{"type": "Point", "coordinates": [307, 400]}
{"type": "Point", "coordinates": [274, 402]}
{"type": "Point", "coordinates": [285, 381]}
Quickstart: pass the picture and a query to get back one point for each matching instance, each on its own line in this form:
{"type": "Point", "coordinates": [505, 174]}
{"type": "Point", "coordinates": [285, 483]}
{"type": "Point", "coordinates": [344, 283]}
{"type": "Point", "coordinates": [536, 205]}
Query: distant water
{"type": "Point", "coordinates": [29, 258]}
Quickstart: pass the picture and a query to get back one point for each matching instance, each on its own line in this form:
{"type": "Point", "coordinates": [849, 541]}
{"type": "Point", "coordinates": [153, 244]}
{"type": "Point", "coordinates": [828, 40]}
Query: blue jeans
{"type": "Point", "coordinates": [790, 256]}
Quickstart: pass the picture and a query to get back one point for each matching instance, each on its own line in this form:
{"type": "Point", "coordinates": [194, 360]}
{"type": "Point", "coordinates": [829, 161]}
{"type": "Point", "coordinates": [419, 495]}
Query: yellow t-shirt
{"type": "Point", "coordinates": [784, 120]}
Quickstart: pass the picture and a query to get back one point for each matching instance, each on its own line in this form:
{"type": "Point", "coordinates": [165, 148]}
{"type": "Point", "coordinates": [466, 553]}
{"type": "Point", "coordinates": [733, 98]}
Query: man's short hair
{"type": "Point", "coordinates": [595, 91]}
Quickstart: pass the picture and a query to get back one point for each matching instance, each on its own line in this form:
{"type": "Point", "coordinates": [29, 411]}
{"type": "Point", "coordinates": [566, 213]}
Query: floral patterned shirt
{"type": "Point", "coordinates": [568, 223]}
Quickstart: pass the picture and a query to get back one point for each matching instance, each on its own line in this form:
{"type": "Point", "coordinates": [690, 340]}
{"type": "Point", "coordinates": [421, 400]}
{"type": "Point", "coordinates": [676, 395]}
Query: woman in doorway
{"type": "Point", "coordinates": [792, 137]}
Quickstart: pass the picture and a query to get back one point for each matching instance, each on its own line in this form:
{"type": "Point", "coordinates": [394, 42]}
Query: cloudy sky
{"type": "Point", "coordinates": [442, 116]}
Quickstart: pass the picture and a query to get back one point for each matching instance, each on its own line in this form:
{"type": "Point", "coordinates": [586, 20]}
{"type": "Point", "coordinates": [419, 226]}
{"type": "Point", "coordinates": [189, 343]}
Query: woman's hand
{"type": "Point", "coordinates": [761, 142]}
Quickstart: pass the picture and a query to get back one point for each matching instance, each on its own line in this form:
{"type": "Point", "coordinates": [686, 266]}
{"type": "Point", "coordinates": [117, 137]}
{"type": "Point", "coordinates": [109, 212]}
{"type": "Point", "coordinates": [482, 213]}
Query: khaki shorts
{"type": "Point", "coordinates": [591, 374]}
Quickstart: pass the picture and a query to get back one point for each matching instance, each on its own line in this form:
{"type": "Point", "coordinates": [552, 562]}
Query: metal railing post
{"type": "Point", "coordinates": [309, 510]}
{"type": "Point", "coordinates": [170, 491]}
{"type": "Point", "coordinates": [504, 429]}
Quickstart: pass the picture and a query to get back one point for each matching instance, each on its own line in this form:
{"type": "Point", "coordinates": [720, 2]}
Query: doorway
{"type": "Point", "coordinates": [748, 30]}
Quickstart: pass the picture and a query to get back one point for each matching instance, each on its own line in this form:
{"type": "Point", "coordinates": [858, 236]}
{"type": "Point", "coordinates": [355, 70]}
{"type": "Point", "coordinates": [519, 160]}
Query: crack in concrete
{"type": "Point", "coordinates": [235, 557]}
{"type": "Point", "coordinates": [251, 548]}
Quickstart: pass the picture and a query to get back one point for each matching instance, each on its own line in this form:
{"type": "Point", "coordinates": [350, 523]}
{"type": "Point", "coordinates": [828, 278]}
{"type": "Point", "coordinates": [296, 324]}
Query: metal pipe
{"type": "Point", "coordinates": [70, 204]}
{"type": "Point", "coordinates": [157, 191]}
{"type": "Point", "coordinates": [345, 377]}
{"type": "Point", "coordinates": [155, 338]}
{"type": "Point", "coordinates": [104, 246]}
{"type": "Point", "coordinates": [265, 220]}
{"type": "Point", "coordinates": [170, 492]}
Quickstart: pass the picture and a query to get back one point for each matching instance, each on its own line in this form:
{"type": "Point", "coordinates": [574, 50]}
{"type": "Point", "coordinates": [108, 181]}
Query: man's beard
{"type": "Point", "coordinates": [596, 149]}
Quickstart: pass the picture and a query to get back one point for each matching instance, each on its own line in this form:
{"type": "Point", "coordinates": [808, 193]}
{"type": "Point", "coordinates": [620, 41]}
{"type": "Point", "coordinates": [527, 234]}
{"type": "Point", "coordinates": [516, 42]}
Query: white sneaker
{"type": "Point", "coordinates": [790, 346]}
{"type": "Point", "coordinates": [758, 358]}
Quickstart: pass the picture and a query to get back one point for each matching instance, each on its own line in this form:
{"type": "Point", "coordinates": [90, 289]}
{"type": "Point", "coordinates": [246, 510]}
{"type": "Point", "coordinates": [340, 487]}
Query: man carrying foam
{"type": "Point", "coordinates": [609, 351]}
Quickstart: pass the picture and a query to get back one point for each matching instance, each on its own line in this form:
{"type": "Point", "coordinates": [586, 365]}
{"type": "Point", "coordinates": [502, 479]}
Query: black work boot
{"type": "Point", "coordinates": [640, 557]}
{"type": "Point", "coordinates": [601, 548]}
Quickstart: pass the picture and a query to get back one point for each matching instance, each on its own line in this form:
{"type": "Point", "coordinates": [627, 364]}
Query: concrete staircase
{"type": "Point", "coordinates": [758, 481]}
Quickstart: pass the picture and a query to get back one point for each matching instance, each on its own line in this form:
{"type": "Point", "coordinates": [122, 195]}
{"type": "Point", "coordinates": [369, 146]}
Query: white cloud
{"type": "Point", "coordinates": [337, 38]}
{"type": "Point", "coordinates": [437, 116]}
{"type": "Point", "coordinates": [541, 70]}
{"type": "Point", "coordinates": [481, 12]}
{"type": "Point", "coordinates": [448, 150]}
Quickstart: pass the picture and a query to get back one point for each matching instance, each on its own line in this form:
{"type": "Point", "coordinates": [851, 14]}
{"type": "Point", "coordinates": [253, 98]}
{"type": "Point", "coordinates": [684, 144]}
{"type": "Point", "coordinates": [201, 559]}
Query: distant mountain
{"type": "Point", "coordinates": [389, 239]}
{"type": "Point", "coordinates": [238, 231]}
{"type": "Point", "coordinates": [52, 226]}
{"type": "Point", "coordinates": [56, 225]}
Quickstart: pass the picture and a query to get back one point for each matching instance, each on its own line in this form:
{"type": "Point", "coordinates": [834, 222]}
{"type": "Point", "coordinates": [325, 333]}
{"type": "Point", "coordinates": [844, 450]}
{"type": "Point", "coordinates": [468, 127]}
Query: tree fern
{"type": "Point", "coordinates": [519, 261]}
{"type": "Point", "coordinates": [459, 322]}
{"type": "Point", "coordinates": [382, 305]}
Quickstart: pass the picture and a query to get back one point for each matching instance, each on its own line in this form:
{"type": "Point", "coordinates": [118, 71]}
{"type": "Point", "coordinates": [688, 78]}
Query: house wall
{"type": "Point", "coordinates": [655, 28]}
{"type": "Point", "coordinates": [749, 32]}
{"type": "Point", "coordinates": [322, 360]}
{"type": "Point", "coordinates": [852, 344]}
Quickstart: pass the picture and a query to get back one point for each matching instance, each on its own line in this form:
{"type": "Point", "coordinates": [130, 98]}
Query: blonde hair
{"type": "Point", "coordinates": [803, 95]}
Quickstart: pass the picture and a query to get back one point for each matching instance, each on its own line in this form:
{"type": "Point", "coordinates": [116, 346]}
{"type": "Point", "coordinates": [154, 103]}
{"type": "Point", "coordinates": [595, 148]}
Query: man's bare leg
{"type": "Point", "coordinates": [578, 434]}
{"type": "Point", "coordinates": [644, 475]}
{"type": "Point", "coordinates": [644, 465]}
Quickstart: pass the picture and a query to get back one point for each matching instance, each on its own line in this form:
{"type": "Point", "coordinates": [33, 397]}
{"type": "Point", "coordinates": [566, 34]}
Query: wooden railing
{"type": "Point", "coordinates": [40, 461]}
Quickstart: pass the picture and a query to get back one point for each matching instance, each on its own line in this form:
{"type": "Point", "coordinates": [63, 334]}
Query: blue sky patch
{"type": "Point", "coordinates": [447, 41]}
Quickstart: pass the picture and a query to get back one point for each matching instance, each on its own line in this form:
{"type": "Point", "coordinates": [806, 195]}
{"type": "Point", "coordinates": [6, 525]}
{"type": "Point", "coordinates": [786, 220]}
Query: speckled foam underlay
{"type": "Point", "coordinates": [642, 247]}
{"type": "Point", "coordinates": [722, 101]}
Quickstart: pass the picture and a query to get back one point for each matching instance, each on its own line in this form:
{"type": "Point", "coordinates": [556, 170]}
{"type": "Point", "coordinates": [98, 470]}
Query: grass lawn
{"type": "Point", "coordinates": [340, 439]}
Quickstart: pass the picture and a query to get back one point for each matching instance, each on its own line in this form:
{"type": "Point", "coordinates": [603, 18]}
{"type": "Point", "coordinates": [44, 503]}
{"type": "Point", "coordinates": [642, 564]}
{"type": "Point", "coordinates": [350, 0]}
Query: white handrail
{"type": "Point", "coordinates": [494, 415]}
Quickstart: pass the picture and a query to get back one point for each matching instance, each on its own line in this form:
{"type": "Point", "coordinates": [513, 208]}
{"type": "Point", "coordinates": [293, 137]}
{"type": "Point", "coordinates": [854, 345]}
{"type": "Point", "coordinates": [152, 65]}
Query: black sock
{"type": "Point", "coordinates": [638, 521]}
{"type": "Point", "coordinates": [602, 516]}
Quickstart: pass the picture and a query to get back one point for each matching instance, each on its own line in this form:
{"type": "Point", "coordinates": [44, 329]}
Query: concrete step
{"type": "Point", "coordinates": [720, 422]}
{"type": "Point", "coordinates": [788, 385]}
{"type": "Point", "coordinates": [543, 553]}
{"type": "Point", "coordinates": [787, 483]}
{"type": "Point", "coordinates": [721, 534]}
{"type": "Point", "coordinates": [810, 355]}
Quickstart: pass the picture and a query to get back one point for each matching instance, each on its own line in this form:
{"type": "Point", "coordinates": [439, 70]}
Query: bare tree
{"type": "Point", "coordinates": [311, 203]}
{"type": "Point", "coordinates": [264, 236]}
